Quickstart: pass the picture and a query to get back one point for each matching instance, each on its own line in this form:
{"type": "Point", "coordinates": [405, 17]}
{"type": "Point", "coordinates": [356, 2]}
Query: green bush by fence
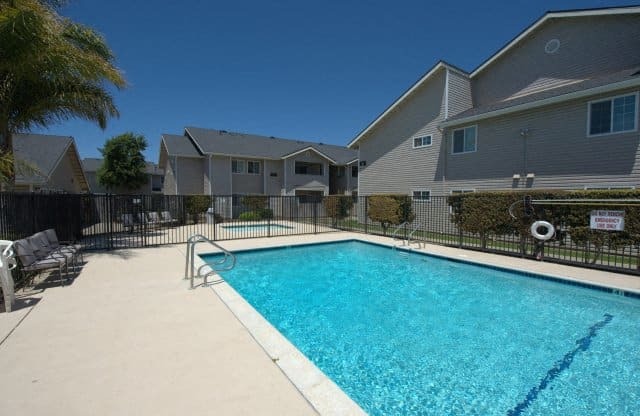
{"type": "Point", "coordinates": [390, 209]}
{"type": "Point", "coordinates": [487, 214]}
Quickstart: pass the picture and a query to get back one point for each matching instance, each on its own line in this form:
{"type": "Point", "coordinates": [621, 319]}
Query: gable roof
{"type": "Point", "coordinates": [91, 164]}
{"type": "Point", "coordinates": [41, 152]}
{"type": "Point", "coordinates": [179, 146]}
{"type": "Point", "coordinates": [553, 15]}
{"type": "Point", "coordinates": [221, 142]}
{"type": "Point", "coordinates": [604, 83]}
{"type": "Point", "coordinates": [423, 79]}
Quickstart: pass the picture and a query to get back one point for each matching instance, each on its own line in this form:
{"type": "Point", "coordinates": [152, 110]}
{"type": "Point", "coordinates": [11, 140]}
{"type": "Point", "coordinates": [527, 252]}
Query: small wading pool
{"type": "Point", "coordinates": [257, 227]}
{"type": "Point", "coordinates": [414, 334]}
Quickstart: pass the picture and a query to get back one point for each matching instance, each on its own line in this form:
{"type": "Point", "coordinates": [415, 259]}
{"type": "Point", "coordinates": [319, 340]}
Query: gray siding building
{"type": "Point", "coordinates": [557, 107]}
{"type": "Point", "coordinates": [217, 162]}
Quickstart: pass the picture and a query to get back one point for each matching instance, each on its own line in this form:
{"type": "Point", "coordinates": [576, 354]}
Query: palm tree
{"type": "Point", "coordinates": [51, 69]}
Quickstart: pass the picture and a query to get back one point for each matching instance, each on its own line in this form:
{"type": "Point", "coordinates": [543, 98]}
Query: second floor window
{"type": "Point", "coordinates": [237, 166]}
{"type": "Point", "coordinates": [354, 171]}
{"type": "Point", "coordinates": [464, 140]}
{"type": "Point", "coordinates": [253, 167]}
{"type": "Point", "coordinates": [307, 168]}
{"type": "Point", "coordinates": [421, 196]}
{"type": "Point", "coordinates": [613, 115]}
{"type": "Point", "coordinates": [421, 141]}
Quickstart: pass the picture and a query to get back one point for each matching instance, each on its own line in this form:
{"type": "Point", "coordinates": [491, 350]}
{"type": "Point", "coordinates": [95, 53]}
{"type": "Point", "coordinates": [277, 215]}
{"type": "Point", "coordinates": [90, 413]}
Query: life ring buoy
{"type": "Point", "coordinates": [551, 231]}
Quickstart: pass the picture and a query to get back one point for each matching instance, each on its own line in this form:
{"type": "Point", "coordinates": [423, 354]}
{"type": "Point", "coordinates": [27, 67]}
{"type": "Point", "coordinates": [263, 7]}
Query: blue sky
{"type": "Point", "coordinates": [318, 71]}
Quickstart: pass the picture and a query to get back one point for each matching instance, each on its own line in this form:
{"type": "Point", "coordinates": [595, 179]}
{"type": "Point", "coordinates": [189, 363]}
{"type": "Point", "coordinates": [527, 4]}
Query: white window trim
{"type": "Point", "coordinates": [259, 167]}
{"type": "Point", "coordinates": [244, 167]}
{"type": "Point", "coordinates": [413, 141]}
{"type": "Point", "coordinates": [420, 200]}
{"type": "Point", "coordinates": [453, 141]}
{"type": "Point", "coordinates": [611, 133]}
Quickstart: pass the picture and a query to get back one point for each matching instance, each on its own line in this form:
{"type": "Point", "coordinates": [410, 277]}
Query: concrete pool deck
{"type": "Point", "coordinates": [128, 337]}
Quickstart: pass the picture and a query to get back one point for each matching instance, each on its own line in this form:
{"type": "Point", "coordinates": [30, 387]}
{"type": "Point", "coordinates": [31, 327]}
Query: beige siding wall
{"type": "Point", "coordinates": [190, 174]}
{"type": "Point", "coordinates": [169, 187]}
{"type": "Point", "coordinates": [246, 183]}
{"type": "Point", "coordinates": [274, 183]}
{"type": "Point", "coordinates": [310, 182]}
{"type": "Point", "coordinates": [588, 46]}
{"type": "Point", "coordinates": [392, 164]}
{"type": "Point", "coordinates": [459, 93]}
{"type": "Point", "coordinates": [221, 175]}
{"type": "Point", "coordinates": [63, 176]}
{"type": "Point", "coordinates": [558, 152]}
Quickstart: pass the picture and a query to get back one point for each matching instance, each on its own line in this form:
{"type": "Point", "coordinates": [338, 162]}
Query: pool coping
{"type": "Point", "coordinates": [319, 390]}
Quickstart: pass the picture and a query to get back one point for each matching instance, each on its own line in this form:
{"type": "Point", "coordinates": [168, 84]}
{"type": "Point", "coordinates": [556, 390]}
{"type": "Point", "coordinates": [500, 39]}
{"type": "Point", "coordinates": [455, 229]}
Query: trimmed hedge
{"type": "Point", "coordinates": [487, 214]}
{"type": "Point", "coordinates": [390, 209]}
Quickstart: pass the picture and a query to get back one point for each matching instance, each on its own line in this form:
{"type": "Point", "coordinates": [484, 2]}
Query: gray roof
{"type": "Point", "coordinates": [221, 142]}
{"type": "Point", "coordinates": [39, 151]}
{"type": "Point", "coordinates": [91, 164]}
{"type": "Point", "coordinates": [596, 81]}
{"type": "Point", "coordinates": [180, 146]}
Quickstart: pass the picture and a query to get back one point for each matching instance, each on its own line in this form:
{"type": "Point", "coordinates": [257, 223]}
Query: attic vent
{"type": "Point", "coordinates": [552, 46]}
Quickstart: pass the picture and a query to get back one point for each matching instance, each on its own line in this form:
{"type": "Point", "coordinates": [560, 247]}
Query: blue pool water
{"type": "Point", "coordinates": [422, 335]}
{"type": "Point", "coordinates": [257, 227]}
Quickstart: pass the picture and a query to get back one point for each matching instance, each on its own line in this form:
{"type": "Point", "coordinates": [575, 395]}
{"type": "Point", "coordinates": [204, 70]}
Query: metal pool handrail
{"type": "Point", "coordinates": [228, 262]}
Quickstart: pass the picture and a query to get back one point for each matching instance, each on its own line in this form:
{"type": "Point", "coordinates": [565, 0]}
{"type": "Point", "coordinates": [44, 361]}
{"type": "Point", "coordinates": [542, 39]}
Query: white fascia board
{"type": "Point", "coordinates": [552, 15]}
{"type": "Point", "coordinates": [297, 152]}
{"type": "Point", "coordinates": [410, 91]}
{"type": "Point", "coordinates": [547, 101]}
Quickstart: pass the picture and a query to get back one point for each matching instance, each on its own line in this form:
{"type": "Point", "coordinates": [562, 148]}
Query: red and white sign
{"type": "Point", "coordinates": [607, 220]}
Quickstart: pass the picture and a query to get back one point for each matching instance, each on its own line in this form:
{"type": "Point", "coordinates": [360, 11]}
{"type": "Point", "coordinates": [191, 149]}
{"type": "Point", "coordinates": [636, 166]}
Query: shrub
{"type": "Point", "coordinates": [196, 205]}
{"type": "Point", "coordinates": [487, 214]}
{"type": "Point", "coordinates": [390, 210]}
{"type": "Point", "coordinates": [255, 202]}
{"type": "Point", "coordinates": [338, 207]}
{"type": "Point", "coordinates": [249, 216]}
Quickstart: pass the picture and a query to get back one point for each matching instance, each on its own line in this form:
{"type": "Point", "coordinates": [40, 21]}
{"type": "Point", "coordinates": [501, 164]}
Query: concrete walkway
{"type": "Point", "coordinates": [127, 337]}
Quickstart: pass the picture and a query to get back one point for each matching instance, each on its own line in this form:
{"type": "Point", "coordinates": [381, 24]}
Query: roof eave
{"type": "Point", "coordinates": [544, 102]}
{"type": "Point", "coordinates": [413, 88]}
{"type": "Point", "coordinates": [543, 19]}
{"type": "Point", "coordinates": [297, 152]}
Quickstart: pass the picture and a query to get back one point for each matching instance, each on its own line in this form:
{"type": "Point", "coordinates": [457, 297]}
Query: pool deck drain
{"type": "Point", "coordinates": [128, 337]}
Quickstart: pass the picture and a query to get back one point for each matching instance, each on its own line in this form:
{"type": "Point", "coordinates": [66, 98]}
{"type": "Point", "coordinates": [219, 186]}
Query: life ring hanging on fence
{"type": "Point", "coordinates": [551, 231]}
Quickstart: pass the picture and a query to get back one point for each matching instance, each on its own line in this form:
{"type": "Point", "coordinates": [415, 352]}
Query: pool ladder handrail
{"type": "Point", "coordinates": [415, 227]}
{"type": "Point", "coordinates": [228, 262]}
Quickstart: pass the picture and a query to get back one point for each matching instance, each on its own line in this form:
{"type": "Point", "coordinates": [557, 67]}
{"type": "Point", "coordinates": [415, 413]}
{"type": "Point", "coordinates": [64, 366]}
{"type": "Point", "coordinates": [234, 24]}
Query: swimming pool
{"type": "Point", "coordinates": [257, 227]}
{"type": "Point", "coordinates": [414, 334]}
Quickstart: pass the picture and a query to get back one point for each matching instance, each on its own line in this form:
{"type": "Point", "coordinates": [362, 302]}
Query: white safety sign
{"type": "Point", "coordinates": [607, 220]}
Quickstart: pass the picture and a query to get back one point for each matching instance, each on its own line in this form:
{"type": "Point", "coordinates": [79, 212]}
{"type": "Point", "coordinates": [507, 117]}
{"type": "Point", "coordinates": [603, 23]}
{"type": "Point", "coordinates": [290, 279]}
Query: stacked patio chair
{"type": "Point", "coordinates": [43, 251]}
{"type": "Point", "coordinates": [167, 218]}
{"type": "Point", "coordinates": [154, 219]}
{"type": "Point", "coordinates": [128, 223]}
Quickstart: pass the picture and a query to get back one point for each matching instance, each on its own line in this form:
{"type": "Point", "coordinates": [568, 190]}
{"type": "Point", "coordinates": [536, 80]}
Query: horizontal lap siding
{"type": "Point", "coordinates": [190, 175]}
{"type": "Point", "coordinates": [311, 182]}
{"type": "Point", "coordinates": [588, 46]}
{"type": "Point", "coordinates": [221, 175]}
{"type": "Point", "coordinates": [459, 93]}
{"type": "Point", "coordinates": [274, 183]}
{"type": "Point", "coordinates": [558, 152]}
{"type": "Point", "coordinates": [392, 164]}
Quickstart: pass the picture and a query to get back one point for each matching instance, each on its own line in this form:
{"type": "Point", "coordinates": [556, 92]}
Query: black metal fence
{"type": "Point", "coordinates": [132, 221]}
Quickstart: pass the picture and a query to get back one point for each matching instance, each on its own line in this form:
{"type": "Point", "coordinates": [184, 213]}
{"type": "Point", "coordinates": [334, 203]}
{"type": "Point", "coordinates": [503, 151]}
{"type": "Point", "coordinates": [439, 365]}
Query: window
{"type": "Point", "coordinates": [306, 168]}
{"type": "Point", "coordinates": [237, 166]}
{"type": "Point", "coordinates": [354, 171]}
{"type": "Point", "coordinates": [464, 140]}
{"type": "Point", "coordinates": [253, 167]}
{"type": "Point", "coordinates": [422, 141]}
{"type": "Point", "coordinates": [340, 172]}
{"type": "Point", "coordinates": [421, 196]}
{"type": "Point", "coordinates": [613, 115]}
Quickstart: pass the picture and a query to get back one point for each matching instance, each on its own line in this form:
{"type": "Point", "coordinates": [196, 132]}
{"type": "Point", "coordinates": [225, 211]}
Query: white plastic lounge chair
{"type": "Point", "coordinates": [31, 263]}
{"type": "Point", "coordinates": [144, 220]}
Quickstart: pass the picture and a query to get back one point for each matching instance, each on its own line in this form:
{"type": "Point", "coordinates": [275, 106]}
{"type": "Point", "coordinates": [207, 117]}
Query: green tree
{"type": "Point", "coordinates": [124, 165]}
{"type": "Point", "coordinates": [51, 70]}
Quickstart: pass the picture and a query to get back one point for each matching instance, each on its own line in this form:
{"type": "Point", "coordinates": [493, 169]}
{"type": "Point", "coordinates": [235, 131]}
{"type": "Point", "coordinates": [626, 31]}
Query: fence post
{"type": "Point", "coordinates": [366, 215]}
{"type": "Point", "coordinates": [315, 218]}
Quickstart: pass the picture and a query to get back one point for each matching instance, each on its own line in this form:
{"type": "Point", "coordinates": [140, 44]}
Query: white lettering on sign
{"type": "Point", "coordinates": [607, 220]}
